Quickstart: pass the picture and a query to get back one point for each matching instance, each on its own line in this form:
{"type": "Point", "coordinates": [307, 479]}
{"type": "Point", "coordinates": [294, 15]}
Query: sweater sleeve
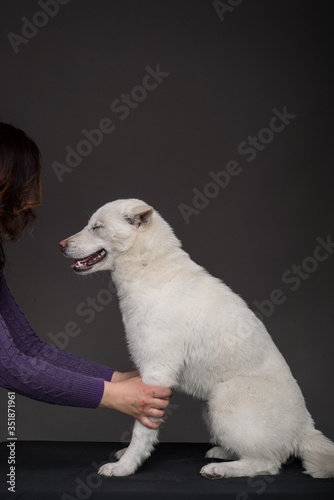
{"type": "Point", "coordinates": [28, 342]}
{"type": "Point", "coordinates": [40, 380]}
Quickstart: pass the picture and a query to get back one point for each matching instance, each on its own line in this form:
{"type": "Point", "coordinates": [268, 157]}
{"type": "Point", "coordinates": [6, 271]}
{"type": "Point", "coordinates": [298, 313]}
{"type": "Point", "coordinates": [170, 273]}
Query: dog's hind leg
{"type": "Point", "coordinates": [240, 468]}
{"type": "Point", "coordinates": [220, 452]}
{"type": "Point", "coordinates": [245, 416]}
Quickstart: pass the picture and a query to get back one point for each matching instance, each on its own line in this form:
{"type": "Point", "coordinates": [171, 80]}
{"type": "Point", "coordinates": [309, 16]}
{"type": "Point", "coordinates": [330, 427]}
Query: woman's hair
{"type": "Point", "coordinates": [20, 187]}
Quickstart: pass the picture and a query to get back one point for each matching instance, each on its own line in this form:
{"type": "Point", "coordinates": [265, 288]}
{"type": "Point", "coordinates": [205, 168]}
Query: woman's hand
{"type": "Point", "coordinates": [128, 394]}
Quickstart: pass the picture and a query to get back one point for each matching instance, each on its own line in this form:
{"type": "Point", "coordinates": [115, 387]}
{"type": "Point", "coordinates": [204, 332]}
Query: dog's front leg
{"type": "Point", "coordinates": [143, 439]}
{"type": "Point", "coordinates": [140, 448]}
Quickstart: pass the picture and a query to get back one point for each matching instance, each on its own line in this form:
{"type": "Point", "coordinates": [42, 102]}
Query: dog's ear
{"type": "Point", "coordinates": [140, 216]}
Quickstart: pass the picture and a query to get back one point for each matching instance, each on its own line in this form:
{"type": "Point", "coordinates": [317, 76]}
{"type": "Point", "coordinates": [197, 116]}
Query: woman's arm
{"type": "Point", "coordinates": [38, 379]}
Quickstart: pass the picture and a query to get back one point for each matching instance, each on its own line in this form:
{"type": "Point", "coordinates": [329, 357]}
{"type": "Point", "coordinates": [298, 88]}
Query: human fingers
{"type": "Point", "coordinates": [159, 392]}
{"type": "Point", "coordinates": [157, 403]}
{"type": "Point", "coordinates": [148, 422]}
{"type": "Point", "coordinates": [154, 413]}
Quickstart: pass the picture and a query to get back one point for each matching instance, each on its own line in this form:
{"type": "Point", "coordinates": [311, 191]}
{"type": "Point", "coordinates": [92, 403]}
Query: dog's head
{"type": "Point", "coordinates": [112, 230]}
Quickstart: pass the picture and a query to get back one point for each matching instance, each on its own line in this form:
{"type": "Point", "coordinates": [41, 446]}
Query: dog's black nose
{"type": "Point", "coordinates": [62, 245]}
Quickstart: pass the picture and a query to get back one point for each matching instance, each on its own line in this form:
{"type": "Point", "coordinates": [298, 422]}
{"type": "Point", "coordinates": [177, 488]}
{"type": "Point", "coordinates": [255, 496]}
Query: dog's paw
{"type": "Point", "coordinates": [219, 452]}
{"type": "Point", "coordinates": [120, 453]}
{"type": "Point", "coordinates": [115, 469]}
{"type": "Point", "coordinates": [212, 471]}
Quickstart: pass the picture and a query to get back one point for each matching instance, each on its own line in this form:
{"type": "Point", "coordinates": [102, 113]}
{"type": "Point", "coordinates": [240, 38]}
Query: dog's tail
{"type": "Point", "coordinates": [317, 454]}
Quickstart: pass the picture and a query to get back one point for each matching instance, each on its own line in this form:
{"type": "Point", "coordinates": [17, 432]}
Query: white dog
{"type": "Point", "coordinates": [187, 330]}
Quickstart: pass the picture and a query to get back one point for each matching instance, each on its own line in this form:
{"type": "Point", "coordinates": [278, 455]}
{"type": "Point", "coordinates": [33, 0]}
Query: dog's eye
{"type": "Point", "coordinates": [97, 226]}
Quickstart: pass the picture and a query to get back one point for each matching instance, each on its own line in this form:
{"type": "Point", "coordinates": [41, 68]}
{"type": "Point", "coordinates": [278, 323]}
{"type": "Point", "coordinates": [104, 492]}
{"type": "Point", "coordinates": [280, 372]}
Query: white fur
{"type": "Point", "coordinates": [187, 330]}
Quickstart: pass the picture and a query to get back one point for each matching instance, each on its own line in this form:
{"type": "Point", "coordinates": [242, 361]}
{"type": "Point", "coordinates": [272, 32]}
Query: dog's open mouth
{"type": "Point", "coordinates": [89, 262]}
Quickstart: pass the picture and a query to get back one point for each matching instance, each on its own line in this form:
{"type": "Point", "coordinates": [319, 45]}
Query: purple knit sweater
{"type": "Point", "coordinates": [39, 370]}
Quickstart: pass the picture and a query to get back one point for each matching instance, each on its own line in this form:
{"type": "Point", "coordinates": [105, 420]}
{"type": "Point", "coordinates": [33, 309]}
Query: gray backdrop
{"type": "Point", "coordinates": [219, 117]}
